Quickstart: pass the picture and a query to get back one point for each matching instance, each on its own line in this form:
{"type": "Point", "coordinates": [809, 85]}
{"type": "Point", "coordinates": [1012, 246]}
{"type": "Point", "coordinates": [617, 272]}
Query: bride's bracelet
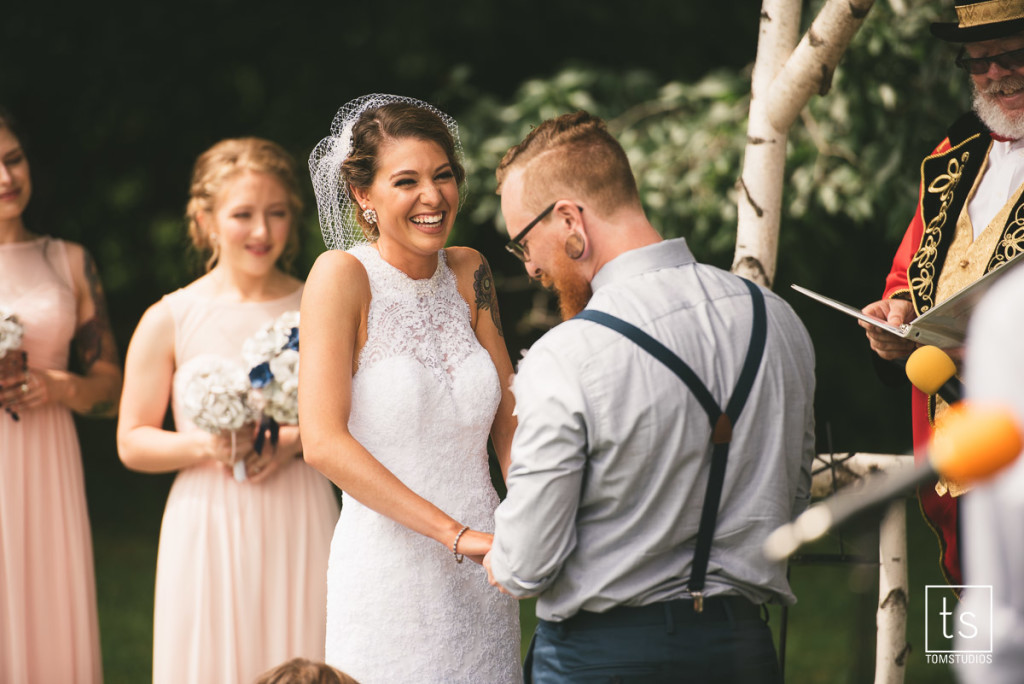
{"type": "Point", "coordinates": [455, 545]}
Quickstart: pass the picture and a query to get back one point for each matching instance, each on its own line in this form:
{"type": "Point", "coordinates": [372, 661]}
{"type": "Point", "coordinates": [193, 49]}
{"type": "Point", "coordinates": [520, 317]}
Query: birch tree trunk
{"type": "Point", "coordinates": [891, 648]}
{"type": "Point", "coordinates": [784, 79]}
{"type": "Point", "coordinates": [893, 595]}
{"type": "Point", "coordinates": [764, 159]}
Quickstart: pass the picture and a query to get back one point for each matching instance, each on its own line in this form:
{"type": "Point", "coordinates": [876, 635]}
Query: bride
{"type": "Point", "coordinates": [403, 376]}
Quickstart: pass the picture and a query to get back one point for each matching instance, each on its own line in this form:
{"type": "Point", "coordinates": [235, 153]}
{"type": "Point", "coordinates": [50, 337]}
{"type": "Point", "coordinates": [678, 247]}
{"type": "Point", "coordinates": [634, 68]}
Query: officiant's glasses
{"type": "Point", "coordinates": [1014, 59]}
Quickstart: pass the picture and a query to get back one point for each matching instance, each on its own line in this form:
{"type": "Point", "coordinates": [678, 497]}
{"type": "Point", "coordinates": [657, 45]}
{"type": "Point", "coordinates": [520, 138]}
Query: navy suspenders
{"type": "Point", "coordinates": [721, 421]}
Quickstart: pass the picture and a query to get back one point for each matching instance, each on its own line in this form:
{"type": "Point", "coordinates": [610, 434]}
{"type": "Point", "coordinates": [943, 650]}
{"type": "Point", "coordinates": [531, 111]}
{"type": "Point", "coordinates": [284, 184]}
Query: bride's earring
{"type": "Point", "coordinates": [370, 215]}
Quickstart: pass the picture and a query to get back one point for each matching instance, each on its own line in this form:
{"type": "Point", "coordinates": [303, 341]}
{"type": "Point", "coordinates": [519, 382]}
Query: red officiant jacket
{"type": "Point", "coordinates": [947, 176]}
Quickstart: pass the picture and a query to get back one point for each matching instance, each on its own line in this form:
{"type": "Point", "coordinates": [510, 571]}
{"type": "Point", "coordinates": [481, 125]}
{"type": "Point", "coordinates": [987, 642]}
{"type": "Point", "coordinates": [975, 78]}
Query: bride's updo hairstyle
{"type": "Point", "coordinates": [387, 123]}
{"type": "Point", "coordinates": [221, 164]}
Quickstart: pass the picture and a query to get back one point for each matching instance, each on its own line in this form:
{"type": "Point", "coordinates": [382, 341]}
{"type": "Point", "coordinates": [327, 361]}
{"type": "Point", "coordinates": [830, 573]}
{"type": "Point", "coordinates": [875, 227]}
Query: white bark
{"type": "Point", "coordinates": [809, 69]}
{"type": "Point", "coordinates": [893, 596]}
{"type": "Point", "coordinates": [760, 183]}
{"type": "Point", "coordinates": [840, 470]}
{"type": "Point", "coordinates": [783, 81]}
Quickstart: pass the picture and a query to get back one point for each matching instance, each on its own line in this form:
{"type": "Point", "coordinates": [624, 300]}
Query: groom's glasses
{"type": "Point", "coordinates": [1014, 59]}
{"type": "Point", "coordinates": [515, 245]}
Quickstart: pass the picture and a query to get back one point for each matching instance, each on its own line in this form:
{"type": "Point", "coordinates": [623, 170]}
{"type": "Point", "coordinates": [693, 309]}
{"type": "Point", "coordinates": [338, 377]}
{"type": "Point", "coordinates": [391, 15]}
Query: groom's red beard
{"type": "Point", "coordinates": [573, 290]}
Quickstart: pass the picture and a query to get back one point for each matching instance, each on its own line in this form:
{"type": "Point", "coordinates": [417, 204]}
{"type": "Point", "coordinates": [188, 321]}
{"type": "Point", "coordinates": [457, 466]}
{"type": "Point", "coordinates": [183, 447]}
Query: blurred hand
{"type": "Point", "coordinates": [895, 312]}
{"type": "Point", "coordinates": [490, 575]}
{"type": "Point", "coordinates": [259, 467]}
{"type": "Point", "coordinates": [24, 389]}
{"type": "Point", "coordinates": [223, 448]}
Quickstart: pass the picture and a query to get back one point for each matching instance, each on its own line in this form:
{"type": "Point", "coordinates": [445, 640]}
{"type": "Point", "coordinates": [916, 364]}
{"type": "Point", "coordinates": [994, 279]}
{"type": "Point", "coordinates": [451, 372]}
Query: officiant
{"type": "Point", "coordinates": [969, 218]}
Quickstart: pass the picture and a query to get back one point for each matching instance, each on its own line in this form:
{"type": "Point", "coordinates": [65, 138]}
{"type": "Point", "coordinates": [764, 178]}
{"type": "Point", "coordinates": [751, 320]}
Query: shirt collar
{"type": "Point", "coordinates": [664, 254]}
{"type": "Point", "coordinates": [1005, 150]}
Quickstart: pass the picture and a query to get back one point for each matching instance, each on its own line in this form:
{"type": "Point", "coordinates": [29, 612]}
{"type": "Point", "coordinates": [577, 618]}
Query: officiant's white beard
{"type": "Point", "coordinates": [988, 110]}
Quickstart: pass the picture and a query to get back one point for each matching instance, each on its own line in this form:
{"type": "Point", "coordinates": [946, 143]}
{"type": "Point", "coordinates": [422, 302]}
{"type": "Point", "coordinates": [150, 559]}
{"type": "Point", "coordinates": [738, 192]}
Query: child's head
{"type": "Point", "coordinates": [303, 671]}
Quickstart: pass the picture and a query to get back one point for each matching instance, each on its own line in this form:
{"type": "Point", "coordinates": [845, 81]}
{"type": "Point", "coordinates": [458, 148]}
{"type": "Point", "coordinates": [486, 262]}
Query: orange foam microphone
{"type": "Point", "coordinates": [931, 370]}
{"type": "Point", "coordinates": [973, 443]}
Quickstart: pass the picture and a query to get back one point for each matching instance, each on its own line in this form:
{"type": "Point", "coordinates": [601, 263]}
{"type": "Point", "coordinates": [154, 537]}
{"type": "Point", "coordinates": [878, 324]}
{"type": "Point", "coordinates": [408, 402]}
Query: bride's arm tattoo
{"type": "Point", "coordinates": [486, 297]}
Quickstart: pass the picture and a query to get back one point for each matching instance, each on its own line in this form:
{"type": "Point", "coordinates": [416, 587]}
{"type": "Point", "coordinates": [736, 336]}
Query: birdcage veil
{"type": "Point", "coordinates": [336, 207]}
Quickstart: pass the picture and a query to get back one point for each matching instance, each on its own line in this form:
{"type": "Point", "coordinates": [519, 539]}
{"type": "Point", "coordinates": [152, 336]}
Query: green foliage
{"type": "Point", "coordinates": [851, 160]}
{"type": "Point", "coordinates": [893, 94]}
{"type": "Point", "coordinates": [684, 142]}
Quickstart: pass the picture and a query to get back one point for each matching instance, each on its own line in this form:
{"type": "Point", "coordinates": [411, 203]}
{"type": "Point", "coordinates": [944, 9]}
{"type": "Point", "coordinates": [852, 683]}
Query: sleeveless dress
{"type": "Point", "coordinates": [49, 631]}
{"type": "Point", "coordinates": [240, 571]}
{"type": "Point", "coordinates": [399, 608]}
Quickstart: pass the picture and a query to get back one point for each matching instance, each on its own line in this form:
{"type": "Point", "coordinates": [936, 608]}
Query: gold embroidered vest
{"type": "Point", "coordinates": [948, 179]}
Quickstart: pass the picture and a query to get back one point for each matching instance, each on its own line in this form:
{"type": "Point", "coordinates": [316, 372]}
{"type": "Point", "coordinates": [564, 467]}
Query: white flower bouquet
{"type": "Point", "coordinates": [11, 331]}
{"type": "Point", "coordinates": [273, 356]}
{"type": "Point", "coordinates": [11, 335]}
{"type": "Point", "coordinates": [214, 393]}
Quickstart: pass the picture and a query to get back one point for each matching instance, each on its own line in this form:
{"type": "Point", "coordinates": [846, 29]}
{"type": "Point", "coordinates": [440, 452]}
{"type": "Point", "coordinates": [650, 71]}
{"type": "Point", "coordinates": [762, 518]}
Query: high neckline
{"type": "Point", "coordinates": [441, 261]}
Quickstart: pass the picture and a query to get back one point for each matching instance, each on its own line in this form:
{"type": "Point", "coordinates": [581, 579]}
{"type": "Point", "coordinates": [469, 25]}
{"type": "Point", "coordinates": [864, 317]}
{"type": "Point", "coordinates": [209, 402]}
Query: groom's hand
{"type": "Point", "coordinates": [490, 575]}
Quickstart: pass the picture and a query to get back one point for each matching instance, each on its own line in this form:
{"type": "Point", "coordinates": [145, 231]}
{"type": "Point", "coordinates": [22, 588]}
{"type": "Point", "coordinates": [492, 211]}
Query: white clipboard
{"type": "Point", "coordinates": [944, 325]}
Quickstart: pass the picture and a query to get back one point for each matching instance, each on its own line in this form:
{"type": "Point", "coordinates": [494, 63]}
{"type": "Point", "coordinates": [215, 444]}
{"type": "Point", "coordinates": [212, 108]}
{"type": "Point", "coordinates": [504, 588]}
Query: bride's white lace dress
{"type": "Point", "coordinates": [399, 608]}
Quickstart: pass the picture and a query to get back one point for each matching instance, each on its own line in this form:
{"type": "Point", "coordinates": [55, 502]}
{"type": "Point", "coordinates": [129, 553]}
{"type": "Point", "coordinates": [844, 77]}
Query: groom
{"type": "Point", "coordinates": [615, 455]}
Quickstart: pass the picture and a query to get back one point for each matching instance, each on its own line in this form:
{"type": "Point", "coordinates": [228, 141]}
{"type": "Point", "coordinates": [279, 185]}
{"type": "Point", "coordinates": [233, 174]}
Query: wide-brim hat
{"type": "Point", "coordinates": [979, 20]}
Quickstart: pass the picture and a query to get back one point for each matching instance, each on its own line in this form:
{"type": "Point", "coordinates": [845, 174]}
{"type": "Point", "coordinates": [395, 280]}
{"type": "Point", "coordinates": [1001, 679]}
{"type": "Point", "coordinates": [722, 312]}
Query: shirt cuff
{"type": "Point", "coordinates": [519, 587]}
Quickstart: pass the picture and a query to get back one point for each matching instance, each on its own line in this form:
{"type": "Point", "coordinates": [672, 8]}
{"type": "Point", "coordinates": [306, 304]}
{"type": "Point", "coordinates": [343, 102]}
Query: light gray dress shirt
{"type": "Point", "coordinates": [610, 459]}
{"type": "Point", "coordinates": [991, 513]}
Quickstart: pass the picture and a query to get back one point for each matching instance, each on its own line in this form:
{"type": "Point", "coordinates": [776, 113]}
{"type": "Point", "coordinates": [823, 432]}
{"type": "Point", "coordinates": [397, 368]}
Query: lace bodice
{"type": "Point", "coordinates": [423, 400]}
{"type": "Point", "coordinates": [424, 379]}
{"type": "Point", "coordinates": [421, 319]}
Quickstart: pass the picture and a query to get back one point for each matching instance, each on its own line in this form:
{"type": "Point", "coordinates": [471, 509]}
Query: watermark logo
{"type": "Point", "coordinates": [955, 631]}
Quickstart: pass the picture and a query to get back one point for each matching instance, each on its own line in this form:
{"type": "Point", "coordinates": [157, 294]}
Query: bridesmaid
{"type": "Point", "coordinates": [241, 567]}
{"type": "Point", "coordinates": [49, 630]}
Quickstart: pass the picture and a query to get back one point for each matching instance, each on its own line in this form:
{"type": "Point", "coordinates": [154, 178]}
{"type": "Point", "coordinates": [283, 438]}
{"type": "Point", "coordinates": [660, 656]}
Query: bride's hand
{"type": "Point", "coordinates": [474, 545]}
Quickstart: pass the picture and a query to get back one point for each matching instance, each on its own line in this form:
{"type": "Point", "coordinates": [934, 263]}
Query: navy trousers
{"type": "Point", "coordinates": [662, 643]}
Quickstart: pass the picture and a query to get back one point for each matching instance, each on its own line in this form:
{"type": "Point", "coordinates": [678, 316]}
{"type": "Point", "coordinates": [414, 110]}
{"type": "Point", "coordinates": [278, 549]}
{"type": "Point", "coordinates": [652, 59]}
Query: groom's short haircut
{"type": "Point", "coordinates": [572, 155]}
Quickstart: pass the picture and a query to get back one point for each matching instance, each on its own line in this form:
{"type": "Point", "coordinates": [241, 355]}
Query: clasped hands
{"type": "Point", "coordinates": [229, 449]}
{"type": "Point", "coordinates": [476, 546]}
{"type": "Point", "coordinates": [20, 387]}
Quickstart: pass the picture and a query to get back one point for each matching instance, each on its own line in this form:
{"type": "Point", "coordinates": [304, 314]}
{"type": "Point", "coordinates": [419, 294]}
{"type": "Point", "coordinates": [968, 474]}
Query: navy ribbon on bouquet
{"type": "Point", "coordinates": [259, 377]}
{"type": "Point", "coordinates": [269, 429]}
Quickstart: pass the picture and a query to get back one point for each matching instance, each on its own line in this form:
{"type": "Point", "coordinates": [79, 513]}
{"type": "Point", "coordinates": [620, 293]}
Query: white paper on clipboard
{"type": "Point", "coordinates": [944, 325]}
